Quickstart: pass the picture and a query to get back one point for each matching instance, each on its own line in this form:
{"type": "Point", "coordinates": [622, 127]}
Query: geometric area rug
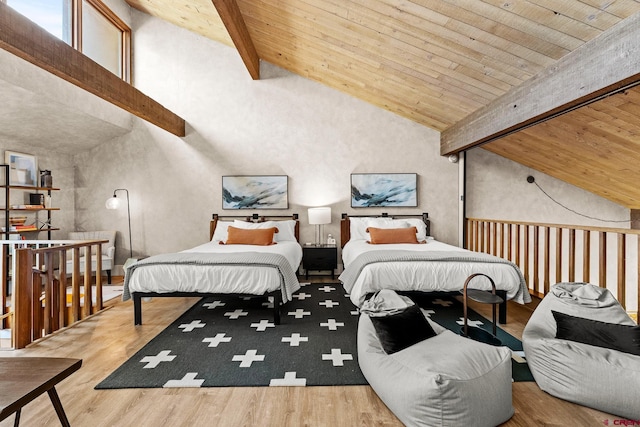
{"type": "Point", "coordinates": [231, 341]}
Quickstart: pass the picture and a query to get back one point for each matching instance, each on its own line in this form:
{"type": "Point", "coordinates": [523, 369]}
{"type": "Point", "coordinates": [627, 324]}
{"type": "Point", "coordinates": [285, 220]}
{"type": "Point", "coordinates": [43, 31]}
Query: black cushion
{"type": "Point", "coordinates": [625, 338]}
{"type": "Point", "coordinates": [401, 330]}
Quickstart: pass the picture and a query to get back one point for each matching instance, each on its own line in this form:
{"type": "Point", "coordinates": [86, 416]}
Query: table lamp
{"type": "Point", "coordinates": [319, 217]}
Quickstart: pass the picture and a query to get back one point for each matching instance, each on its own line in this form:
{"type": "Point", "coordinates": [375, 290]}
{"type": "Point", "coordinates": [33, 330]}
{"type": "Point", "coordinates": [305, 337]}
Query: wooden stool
{"type": "Point", "coordinates": [483, 297]}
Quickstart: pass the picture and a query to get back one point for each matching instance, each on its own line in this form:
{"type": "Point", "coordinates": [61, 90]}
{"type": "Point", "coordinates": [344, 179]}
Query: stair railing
{"type": "Point", "coordinates": [552, 253]}
{"type": "Point", "coordinates": [39, 281]}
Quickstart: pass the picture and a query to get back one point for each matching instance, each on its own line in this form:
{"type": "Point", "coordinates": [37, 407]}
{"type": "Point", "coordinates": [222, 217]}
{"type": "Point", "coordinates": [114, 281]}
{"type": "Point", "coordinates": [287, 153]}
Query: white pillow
{"type": "Point", "coordinates": [286, 231]}
{"type": "Point", "coordinates": [257, 225]}
{"type": "Point", "coordinates": [420, 226]}
{"type": "Point", "coordinates": [361, 225]}
{"type": "Point", "coordinates": [252, 225]}
{"type": "Point", "coordinates": [386, 223]}
{"type": "Point", "coordinates": [221, 233]}
{"type": "Point", "coordinates": [358, 228]}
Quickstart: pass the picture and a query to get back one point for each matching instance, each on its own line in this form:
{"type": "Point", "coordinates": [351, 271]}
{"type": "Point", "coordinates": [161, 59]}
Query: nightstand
{"type": "Point", "coordinates": [320, 257]}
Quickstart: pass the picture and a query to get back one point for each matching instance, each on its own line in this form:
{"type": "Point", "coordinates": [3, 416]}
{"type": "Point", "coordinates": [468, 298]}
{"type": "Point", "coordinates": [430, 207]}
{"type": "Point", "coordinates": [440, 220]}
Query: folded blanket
{"type": "Point", "coordinates": [350, 275]}
{"type": "Point", "coordinates": [288, 279]}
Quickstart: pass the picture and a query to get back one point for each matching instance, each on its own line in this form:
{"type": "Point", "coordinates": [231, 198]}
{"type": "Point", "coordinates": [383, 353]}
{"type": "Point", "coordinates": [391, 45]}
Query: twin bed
{"type": "Point", "coordinates": [426, 265]}
{"type": "Point", "coordinates": [215, 268]}
{"type": "Point", "coordinates": [269, 270]}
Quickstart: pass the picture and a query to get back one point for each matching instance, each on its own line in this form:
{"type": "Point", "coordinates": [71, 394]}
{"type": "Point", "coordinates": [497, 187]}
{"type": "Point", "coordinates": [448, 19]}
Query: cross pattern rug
{"type": "Point", "coordinates": [231, 341]}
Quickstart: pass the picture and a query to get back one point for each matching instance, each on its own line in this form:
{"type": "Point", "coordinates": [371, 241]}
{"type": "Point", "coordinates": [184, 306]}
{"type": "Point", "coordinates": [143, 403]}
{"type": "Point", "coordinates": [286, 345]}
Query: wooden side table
{"type": "Point", "coordinates": [22, 379]}
{"type": "Point", "coordinates": [320, 257]}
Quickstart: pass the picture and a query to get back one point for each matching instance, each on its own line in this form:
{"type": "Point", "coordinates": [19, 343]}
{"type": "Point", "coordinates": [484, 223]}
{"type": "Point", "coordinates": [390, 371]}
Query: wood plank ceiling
{"type": "Point", "coordinates": [596, 147]}
{"type": "Point", "coordinates": [434, 62]}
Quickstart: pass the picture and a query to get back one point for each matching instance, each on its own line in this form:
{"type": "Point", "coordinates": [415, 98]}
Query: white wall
{"type": "Point", "coordinates": [497, 188]}
{"type": "Point", "coordinates": [282, 124]}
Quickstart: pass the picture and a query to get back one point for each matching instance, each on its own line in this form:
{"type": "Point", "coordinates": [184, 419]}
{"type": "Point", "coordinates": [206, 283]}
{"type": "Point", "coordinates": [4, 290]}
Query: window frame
{"type": "Point", "coordinates": [76, 32]}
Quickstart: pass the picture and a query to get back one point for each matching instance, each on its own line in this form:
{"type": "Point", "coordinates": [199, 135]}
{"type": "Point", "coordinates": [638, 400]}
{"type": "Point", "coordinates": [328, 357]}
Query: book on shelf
{"type": "Point", "coordinates": [26, 227]}
{"type": "Point", "coordinates": [27, 206]}
{"type": "Point", "coordinates": [20, 228]}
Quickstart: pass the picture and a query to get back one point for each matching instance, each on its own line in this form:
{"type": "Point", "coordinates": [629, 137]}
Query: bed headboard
{"type": "Point", "coordinates": [253, 218]}
{"type": "Point", "coordinates": [345, 224]}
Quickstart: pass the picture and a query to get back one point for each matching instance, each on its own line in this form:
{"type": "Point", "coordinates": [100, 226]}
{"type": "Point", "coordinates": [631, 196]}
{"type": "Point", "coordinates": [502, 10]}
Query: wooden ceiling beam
{"type": "Point", "coordinates": [232, 19]}
{"type": "Point", "coordinates": [23, 38]}
{"type": "Point", "coordinates": [599, 67]}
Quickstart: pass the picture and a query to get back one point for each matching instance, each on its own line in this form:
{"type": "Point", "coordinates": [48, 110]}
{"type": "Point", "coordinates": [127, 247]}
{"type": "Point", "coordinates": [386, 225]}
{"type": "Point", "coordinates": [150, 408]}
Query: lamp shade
{"type": "Point", "coordinates": [319, 215]}
{"type": "Point", "coordinates": [112, 203]}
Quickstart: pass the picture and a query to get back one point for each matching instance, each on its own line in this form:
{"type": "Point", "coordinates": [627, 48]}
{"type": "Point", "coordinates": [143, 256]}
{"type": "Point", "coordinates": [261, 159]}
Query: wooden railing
{"type": "Point", "coordinates": [552, 253]}
{"type": "Point", "coordinates": [39, 281]}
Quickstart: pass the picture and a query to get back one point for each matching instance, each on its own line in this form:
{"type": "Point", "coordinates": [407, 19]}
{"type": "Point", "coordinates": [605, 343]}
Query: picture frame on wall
{"type": "Point", "coordinates": [384, 190]}
{"type": "Point", "coordinates": [255, 192]}
{"type": "Point", "coordinates": [23, 168]}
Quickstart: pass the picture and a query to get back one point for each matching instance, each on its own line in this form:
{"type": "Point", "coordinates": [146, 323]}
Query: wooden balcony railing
{"type": "Point", "coordinates": [36, 282]}
{"type": "Point", "coordinates": [552, 253]}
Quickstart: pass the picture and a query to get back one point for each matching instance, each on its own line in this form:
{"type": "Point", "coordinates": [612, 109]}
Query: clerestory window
{"type": "Point", "coordinates": [87, 25]}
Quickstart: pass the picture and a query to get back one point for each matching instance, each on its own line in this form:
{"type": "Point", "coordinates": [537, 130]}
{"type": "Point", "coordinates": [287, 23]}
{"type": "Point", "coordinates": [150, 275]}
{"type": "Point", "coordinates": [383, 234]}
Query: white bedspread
{"type": "Point", "coordinates": [429, 276]}
{"type": "Point", "coordinates": [255, 280]}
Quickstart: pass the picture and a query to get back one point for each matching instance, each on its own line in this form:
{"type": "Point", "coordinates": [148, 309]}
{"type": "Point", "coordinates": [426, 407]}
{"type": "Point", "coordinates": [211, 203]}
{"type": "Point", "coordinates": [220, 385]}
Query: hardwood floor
{"type": "Point", "coordinates": [108, 339]}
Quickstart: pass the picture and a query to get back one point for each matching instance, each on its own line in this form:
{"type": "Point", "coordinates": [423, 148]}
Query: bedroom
{"type": "Point", "coordinates": [282, 124]}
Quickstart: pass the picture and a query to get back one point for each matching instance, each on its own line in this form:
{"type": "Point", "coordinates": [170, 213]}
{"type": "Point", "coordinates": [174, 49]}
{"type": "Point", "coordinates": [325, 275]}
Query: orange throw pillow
{"type": "Point", "coordinates": [380, 236]}
{"type": "Point", "coordinates": [257, 236]}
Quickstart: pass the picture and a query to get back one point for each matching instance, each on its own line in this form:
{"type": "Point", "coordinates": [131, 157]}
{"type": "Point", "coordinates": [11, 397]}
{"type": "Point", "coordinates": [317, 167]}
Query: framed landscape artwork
{"type": "Point", "coordinates": [23, 168]}
{"type": "Point", "coordinates": [255, 192]}
{"type": "Point", "coordinates": [384, 189]}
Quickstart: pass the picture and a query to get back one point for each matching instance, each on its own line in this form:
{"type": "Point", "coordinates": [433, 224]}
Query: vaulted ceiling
{"type": "Point", "coordinates": [438, 61]}
{"type": "Point", "coordinates": [434, 62]}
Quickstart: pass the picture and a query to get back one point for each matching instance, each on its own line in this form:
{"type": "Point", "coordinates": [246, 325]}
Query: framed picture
{"type": "Point", "coordinates": [255, 192]}
{"type": "Point", "coordinates": [384, 189]}
{"type": "Point", "coordinates": [23, 168]}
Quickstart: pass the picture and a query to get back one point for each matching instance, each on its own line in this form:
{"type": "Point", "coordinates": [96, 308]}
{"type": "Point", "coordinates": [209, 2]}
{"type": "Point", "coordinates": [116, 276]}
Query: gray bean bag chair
{"type": "Point", "coordinates": [594, 376]}
{"type": "Point", "coordinates": [445, 380]}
